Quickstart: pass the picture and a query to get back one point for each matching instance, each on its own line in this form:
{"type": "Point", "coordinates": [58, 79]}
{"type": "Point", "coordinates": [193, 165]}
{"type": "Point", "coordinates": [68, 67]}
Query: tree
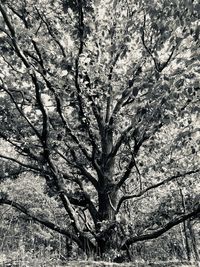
{"type": "Point", "coordinates": [100, 99]}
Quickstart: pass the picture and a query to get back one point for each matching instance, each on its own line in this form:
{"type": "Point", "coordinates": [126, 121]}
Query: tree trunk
{"type": "Point", "coordinates": [187, 245]}
{"type": "Point", "coordinates": [107, 203]}
{"type": "Point", "coordinates": [69, 247]}
{"type": "Point", "coordinates": [194, 243]}
{"type": "Point", "coordinates": [107, 195]}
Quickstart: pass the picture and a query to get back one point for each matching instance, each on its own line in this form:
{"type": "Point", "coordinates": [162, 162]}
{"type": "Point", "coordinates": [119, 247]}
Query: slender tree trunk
{"type": "Point", "coordinates": [187, 244]}
{"type": "Point", "coordinates": [68, 247]}
{"type": "Point", "coordinates": [194, 243]}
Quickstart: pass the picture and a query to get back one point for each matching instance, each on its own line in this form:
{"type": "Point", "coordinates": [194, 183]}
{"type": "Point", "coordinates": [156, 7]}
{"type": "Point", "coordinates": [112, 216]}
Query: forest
{"type": "Point", "coordinates": [99, 132]}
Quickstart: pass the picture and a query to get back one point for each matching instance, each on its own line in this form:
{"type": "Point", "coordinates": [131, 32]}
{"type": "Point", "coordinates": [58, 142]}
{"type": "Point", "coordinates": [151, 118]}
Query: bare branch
{"type": "Point", "coordinates": [125, 95]}
{"type": "Point", "coordinates": [145, 46]}
{"type": "Point", "coordinates": [120, 141]}
{"type": "Point", "coordinates": [127, 173]}
{"type": "Point", "coordinates": [42, 16]}
{"type": "Point", "coordinates": [109, 97]}
{"type": "Point", "coordinates": [84, 200]}
{"type": "Point", "coordinates": [42, 221]}
{"type": "Point", "coordinates": [169, 179]}
{"type": "Point", "coordinates": [159, 66]}
{"type": "Point", "coordinates": [162, 230]}
{"type": "Point", "coordinates": [19, 147]}
{"type": "Point", "coordinates": [20, 110]}
{"type": "Point", "coordinates": [13, 35]}
{"type": "Point", "coordinates": [28, 166]}
{"type": "Point", "coordinates": [43, 110]}
{"type": "Point", "coordinates": [83, 169]}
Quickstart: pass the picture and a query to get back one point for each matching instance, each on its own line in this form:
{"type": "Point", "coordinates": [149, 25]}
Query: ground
{"type": "Point", "coordinates": [42, 263]}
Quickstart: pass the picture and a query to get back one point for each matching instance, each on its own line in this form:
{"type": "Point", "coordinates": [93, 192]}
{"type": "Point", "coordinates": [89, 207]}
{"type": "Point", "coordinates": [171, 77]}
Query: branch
{"type": "Point", "coordinates": [44, 19]}
{"type": "Point", "coordinates": [42, 109]}
{"type": "Point", "coordinates": [144, 44]}
{"type": "Point", "coordinates": [97, 115]}
{"type": "Point", "coordinates": [159, 232]}
{"type": "Point", "coordinates": [21, 55]}
{"type": "Point", "coordinates": [121, 50]}
{"type": "Point", "coordinates": [20, 111]}
{"type": "Point", "coordinates": [82, 117]}
{"type": "Point", "coordinates": [146, 137]}
{"type": "Point", "coordinates": [130, 166]}
{"type": "Point", "coordinates": [128, 95]}
{"type": "Point", "coordinates": [81, 34]}
{"type": "Point", "coordinates": [125, 95]}
{"type": "Point", "coordinates": [127, 173]}
{"type": "Point", "coordinates": [109, 97]}
{"type": "Point", "coordinates": [28, 166]}
{"type": "Point", "coordinates": [164, 65]}
{"type": "Point", "coordinates": [64, 199]}
{"type": "Point", "coordinates": [13, 36]}
{"type": "Point", "coordinates": [24, 151]}
{"type": "Point", "coordinates": [26, 24]}
{"type": "Point", "coordinates": [10, 65]}
{"type": "Point", "coordinates": [169, 179]}
{"type": "Point", "coordinates": [13, 174]}
{"type": "Point", "coordinates": [159, 66]}
{"type": "Point", "coordinates": [82, 199]}
{"type": "Point", "coordinates": [44, 222]}
{"type": "Point", "coordinates": [83, 170]}
{"type": "Point", "coordinates": [120, 141]}
{"type": "Point", "coordinates": [64, 121]}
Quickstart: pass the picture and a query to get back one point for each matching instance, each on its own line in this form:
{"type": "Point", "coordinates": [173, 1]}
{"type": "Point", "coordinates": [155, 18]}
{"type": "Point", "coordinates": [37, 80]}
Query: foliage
{"type": "Point", "coordinates": [100, 102]}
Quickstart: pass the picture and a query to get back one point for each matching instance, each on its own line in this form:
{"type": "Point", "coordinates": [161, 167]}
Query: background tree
{"type": "Point", "coordinates": [100, 100]}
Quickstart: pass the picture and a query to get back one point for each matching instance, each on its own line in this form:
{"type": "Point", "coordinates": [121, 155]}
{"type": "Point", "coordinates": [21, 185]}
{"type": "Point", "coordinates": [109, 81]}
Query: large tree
{"type": "Point", "coordinates": [100, 99]}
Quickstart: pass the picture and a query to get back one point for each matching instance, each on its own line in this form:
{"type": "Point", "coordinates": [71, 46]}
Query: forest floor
{"type": "Point", "coordinates": [97, 264]}
{"type": "Point", "coordinates": [16, 260]}
{"type": "Point", "coordinates": [133, 264]}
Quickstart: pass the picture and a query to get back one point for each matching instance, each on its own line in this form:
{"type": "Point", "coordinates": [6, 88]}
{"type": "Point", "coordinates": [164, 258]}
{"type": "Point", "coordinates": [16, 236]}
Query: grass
{"type": "Point", "coordinates": [56, 263]}
{"type": "Point", "coordinates": [14, 259]}
{"type": "Point", "coordinates": [133, 264]}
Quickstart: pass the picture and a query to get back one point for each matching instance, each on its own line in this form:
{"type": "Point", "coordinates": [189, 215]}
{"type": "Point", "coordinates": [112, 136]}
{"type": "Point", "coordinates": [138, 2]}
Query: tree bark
{"type": "Point", "coordinates": [187, 244]}
{"type": "Point", "coordinates": [194, 243]}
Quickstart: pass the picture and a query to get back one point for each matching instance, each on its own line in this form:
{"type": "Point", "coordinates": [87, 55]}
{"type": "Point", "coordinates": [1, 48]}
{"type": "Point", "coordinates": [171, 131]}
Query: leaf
{"type": "Point", "coordinates": [179, 83]}
{"type": "Point", "coordinates": [178, 40]}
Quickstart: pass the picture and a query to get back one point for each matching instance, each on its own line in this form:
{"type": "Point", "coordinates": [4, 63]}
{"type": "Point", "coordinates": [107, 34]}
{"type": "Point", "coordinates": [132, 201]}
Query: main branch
{"type": "Point", "coordinates": [37, 219]}
{"type": "Point", "coordinates": [169, 179]}
{"type": "Point", "coordinates": [159, 232]}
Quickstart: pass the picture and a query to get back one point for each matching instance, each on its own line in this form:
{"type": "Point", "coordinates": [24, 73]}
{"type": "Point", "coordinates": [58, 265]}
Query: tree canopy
{"type": "Point", "coordinates": [100, 100]}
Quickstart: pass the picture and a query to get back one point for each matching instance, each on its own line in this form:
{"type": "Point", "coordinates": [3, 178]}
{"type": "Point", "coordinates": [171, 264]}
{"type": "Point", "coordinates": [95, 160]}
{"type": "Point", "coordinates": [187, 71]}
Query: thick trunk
{"type": "Point", "coordinates": [107, 205]}
{"type": "Point", "coordinates": [107, 195]}
{"type": "Point", "coordinates": [106, 229]}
